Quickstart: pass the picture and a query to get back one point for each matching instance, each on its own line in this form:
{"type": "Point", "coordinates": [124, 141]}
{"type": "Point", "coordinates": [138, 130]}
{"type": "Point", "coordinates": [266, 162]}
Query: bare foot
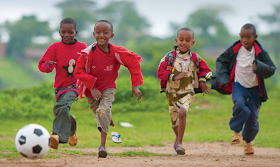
{"type": "Point", "coordinates": [112, 122]}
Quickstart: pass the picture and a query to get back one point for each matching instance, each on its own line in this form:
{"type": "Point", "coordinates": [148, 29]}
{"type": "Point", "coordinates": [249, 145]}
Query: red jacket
{"type": "Point", "coordinates": [100, 70]}
{"type": "Point", "coordinates": [166, 64]}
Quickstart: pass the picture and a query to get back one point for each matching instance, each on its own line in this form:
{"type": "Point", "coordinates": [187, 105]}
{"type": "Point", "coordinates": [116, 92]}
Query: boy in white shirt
{"type": "Point", "coordinates": [241, 71]}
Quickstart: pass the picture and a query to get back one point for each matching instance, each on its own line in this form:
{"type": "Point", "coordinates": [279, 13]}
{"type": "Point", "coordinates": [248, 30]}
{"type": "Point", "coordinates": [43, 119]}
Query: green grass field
{"type": "Point", "coordinates": [207, 119]}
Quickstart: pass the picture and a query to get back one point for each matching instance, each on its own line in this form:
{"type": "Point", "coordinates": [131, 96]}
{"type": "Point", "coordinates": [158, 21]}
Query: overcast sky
{"type": "Point", "coordinates": [159, 13]}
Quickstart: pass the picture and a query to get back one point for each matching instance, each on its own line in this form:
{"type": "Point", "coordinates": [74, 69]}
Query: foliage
{"type": "Point", "coordinates": [208, 25]}
{"type": "Point", "coordinates": [125, 19]}
{"type": "Point", "coordinates": [273, 22]}
{"type": "Point", "coordinates": [21, 33]}
{"type": "Point", "coordinates": [82, 11]}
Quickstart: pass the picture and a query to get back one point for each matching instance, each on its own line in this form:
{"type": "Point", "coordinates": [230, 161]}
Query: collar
{"type": "Point", "coordinates": [75, 40]}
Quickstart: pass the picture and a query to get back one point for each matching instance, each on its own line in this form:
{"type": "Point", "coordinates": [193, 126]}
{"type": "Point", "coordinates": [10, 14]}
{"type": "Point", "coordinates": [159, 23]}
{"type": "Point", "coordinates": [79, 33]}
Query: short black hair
{"type": "Point", "coordinates": [105, 21]}
{"type": "Point", "coordinates": [250, 26]}
{"type": "Point", "coordinates": [187, 29]}
{"type": "Point", "coordinates": [68, 21]}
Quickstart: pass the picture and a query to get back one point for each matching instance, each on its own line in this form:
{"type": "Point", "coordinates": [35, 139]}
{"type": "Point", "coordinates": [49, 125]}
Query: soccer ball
{"type": "Point", "coordinates": [32, 141]}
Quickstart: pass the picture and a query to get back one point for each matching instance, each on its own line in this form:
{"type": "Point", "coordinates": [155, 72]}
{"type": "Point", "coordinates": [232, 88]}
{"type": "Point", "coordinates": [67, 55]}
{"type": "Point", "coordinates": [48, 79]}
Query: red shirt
{"type": "Point", "coordinates": [62, 54]}
{"type": "Point", "coordinates": [102, 68]}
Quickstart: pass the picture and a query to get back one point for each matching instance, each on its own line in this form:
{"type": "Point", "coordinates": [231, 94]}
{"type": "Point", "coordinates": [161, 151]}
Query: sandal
{"type": "Point", "coordinates": [174, 146]}
{"type": "Point", "coordinates": [236, 138]}
{"type": "Point", "coordinates": [180, 150]}
{"type": "Point", "coordinates": [102, 153]}
{"type": "Point", "coordinates": [116, 137]}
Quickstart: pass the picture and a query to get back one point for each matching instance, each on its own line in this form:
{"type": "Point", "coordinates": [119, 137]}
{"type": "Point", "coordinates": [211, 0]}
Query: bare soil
{"type": "Point", "coordinates": [197, 154]}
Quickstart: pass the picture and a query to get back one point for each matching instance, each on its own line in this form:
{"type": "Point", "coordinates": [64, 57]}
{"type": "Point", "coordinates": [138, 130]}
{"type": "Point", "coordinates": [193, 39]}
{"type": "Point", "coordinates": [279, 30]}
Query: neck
{"type": "Point", "coordinates": [104, 48]}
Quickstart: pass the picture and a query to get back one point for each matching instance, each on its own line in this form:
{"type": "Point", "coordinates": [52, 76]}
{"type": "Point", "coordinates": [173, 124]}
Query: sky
{"type": "Point", "coordinates": [159, 13]}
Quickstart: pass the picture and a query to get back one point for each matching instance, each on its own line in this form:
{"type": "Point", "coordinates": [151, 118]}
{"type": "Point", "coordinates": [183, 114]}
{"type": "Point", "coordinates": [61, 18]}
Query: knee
{"type": "Point", "coordinates": [62, 110]}
{"type": "Point", "coordinates": [240, 107]}
{"type": "Point", "coordinates": [182, 113]}
{"type": "Point", "coordinates": [101, 113]}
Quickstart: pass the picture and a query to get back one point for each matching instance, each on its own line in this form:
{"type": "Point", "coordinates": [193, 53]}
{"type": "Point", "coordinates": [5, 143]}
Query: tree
{"type": "Point", "coordinates": [273, 21]}
{"type": "Point", "coordinates": [21, 33]}
{"type": "Point", "coordinates": [125, 19]}
{"type": "Point", "coordinates": [82, 11]}
{"type": "Point", "coordinates": [208, 25]}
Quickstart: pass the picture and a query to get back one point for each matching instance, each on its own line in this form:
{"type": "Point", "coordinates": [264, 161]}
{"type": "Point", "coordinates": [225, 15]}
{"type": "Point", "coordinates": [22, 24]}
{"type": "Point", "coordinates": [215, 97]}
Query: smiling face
{"type": "Point", "coordinates": [67, 33]}
{"type": "Point", "coordinates": [247, 38]}
{"type": "Point", "coordinates": [185, 40]}
{"type": "Point", "coordinates": [103, 33]}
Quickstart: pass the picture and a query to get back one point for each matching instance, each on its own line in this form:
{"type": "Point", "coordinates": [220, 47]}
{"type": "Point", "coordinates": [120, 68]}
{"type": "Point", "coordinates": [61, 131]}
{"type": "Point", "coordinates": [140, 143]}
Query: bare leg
{"type": "Point", "coordinates": [175, 129]}
{"type": "Point", "coordinates": [182, 113]}
{"type": "Point", "coordinates": [103, 139]}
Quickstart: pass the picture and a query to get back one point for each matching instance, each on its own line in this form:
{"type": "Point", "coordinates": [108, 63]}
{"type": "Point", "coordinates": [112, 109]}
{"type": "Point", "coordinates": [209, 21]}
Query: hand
{"type": "Point", "coordinates": [51, 63]}
{"type": "Point", "coordinates": [136, 91]}
{"type": "Point", "coordinates": [205, 88]}
{"type": "Point", "coordinates": [96, 94]}
{"type": "Point", "coordinates": [181, 75]}
{"type": "Point", "coordinates": [254, 65]}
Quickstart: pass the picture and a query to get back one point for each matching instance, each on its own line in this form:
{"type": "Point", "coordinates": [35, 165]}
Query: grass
{"type": "Point", "coordinates": [15, 76]}
{"type": "Point", "coordinates": [207, 121]}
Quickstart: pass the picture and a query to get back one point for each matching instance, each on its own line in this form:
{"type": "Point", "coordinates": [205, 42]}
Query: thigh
{"type": "Point", "coordinates": [107, 99]}
{"type": "Point", "coordinates": [93, 104]}
{"type": "Point", "coordinates": [239, 93]}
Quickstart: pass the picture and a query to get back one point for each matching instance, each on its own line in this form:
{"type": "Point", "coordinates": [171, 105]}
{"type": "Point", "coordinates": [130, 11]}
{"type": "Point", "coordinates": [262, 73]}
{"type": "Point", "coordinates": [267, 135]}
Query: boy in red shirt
{"type": "Point", "coordinates": [97, 70]}
{"type": "Point", "coordinates": [62, 56]}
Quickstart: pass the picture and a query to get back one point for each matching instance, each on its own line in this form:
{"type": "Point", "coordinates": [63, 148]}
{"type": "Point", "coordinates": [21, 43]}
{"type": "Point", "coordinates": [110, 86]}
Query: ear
{"type": "Point", "coordinates": [112, 35]}
{"type": "Point", "coordinates": [193, 42]}
{"type": "Point", "coordinates": [256, 36]}
{"type": "Point", "coordinates": [176, 40]}
{"type": "Point", "coordinates": [76, 33]}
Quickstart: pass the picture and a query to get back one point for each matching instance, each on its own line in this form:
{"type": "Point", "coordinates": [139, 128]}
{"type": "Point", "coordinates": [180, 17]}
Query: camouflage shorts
{"type": "Point", "coordinates": [174, 102]}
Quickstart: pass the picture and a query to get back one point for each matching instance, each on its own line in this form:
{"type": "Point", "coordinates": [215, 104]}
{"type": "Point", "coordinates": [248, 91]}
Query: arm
{"type": "Point", "coordinates": [164, 71]}
{"type": "Point", "coordinates": [264, 66]}
{"type": "Point", "coordinates": [80, 73]}
{"type": "Point", "coordinates": [222, 67]}
{"type": "Point", "coordinates": [47, 62]}
{"type": "Point", "coordinates": [132, 62]}
{"type": "Point", "coordinates": [204, 75]}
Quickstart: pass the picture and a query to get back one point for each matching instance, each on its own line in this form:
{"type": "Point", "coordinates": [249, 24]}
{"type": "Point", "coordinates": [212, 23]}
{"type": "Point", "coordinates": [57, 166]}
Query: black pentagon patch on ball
{"type": "Point", "coordinates": [38, 132]}
{"type": "Point", "coordinates": [22, 140]}
{"type": "Point", "coordinates": [37, 149]}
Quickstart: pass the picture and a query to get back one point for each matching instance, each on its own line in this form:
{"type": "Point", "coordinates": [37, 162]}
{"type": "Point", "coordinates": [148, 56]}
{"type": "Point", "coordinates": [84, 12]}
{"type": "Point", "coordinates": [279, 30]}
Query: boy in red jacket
{"type": "Point", "coordinates": [62, 56]}
{"type": "Point", "coordinates": [182, 73]}
{"type": "Point", "coordinates": [97, 70]}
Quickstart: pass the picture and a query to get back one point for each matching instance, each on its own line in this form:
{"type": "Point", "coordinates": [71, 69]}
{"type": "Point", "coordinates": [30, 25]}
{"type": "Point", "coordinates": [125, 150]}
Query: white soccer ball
{"type": "Point", "coordinates": [32, 141]}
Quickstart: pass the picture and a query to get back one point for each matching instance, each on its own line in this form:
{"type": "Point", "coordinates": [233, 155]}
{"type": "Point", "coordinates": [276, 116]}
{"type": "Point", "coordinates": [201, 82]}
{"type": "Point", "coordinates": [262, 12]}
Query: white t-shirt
{"type": "Point", "coordinates": [244, 68]}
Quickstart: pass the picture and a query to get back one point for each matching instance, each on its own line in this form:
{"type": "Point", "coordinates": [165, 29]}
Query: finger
{"type": "Point", "coordinates": [139, 96]}
{"type": "Point", "coordinates": [54, 62]}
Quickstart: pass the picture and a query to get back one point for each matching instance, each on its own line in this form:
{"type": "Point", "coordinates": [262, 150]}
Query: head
{"type": "Point", "coordinates": [68, 30]}
{"type": "Point", "coordinates": [185, 39]}
{"type": "Point", "coordinates": [103, 32]}
{"type": "Point", "coordinates": [248, 35]}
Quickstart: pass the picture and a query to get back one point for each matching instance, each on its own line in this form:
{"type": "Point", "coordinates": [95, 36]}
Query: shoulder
{"type": "Point", "coordinates": [54, 45]}
{"type": "Point", "coordinates": [82, 44]}
{"type": "Point", "coordinates": [117, 48]}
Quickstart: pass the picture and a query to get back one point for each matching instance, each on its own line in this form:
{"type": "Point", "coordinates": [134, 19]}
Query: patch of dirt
{"type": "Point", "coordinates": [197, 154]}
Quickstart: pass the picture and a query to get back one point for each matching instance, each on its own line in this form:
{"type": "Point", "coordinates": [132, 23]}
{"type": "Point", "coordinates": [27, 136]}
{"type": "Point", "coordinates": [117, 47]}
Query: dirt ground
{"type": "Point", "coordinates": [197, 154]}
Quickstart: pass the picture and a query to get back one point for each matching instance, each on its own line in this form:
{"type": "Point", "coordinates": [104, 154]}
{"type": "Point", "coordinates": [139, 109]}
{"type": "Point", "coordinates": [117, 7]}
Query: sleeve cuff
{"type": "Point", "coordinates": [202, 80]}
{"type": "Point", "coordinates": [171, 77]}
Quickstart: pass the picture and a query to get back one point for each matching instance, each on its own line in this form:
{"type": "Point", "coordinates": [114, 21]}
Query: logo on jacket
{"type": "Point", "coordinates": [109, 68]}
{"type": "Point", "coordinates": [70, 68]}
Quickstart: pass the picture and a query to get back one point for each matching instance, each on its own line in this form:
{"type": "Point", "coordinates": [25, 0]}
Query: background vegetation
{"type": "Point", "coordinates": [26, 95]}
